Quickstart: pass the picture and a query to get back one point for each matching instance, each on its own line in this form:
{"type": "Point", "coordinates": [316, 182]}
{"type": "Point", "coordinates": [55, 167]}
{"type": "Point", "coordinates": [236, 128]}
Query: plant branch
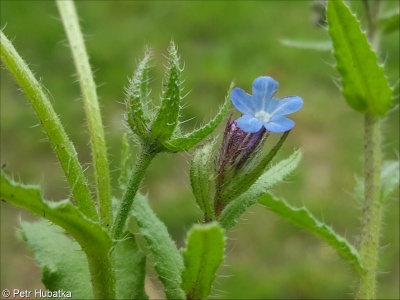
{"type": "Point", "coordinates": [92, 109]}
{"type": "Point", "coordinates": [62, 145]}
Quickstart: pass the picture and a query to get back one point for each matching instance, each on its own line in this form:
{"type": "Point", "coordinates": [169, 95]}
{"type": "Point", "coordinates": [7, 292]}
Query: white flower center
{"type": "Point", "coordinates": [263, 116]}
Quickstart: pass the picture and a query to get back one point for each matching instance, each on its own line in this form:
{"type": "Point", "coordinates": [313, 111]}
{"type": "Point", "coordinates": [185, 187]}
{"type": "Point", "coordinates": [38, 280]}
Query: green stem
{"type": "Point", "coordinates": [372, 211]}
{"type": "Point", "coordinates": [372, 208]}
{"type": "Point", "coordinates": [102, 273]}
{"type": "Point", "coordinates": [145, 157]}
{"type": "Point", "coordinates": [62, 145]}
{"type": "Point", "coordinates": [92, 109]}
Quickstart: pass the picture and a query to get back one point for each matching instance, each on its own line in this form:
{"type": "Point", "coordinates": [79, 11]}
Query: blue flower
{"type": "Point", "coordinates": [262, 109]}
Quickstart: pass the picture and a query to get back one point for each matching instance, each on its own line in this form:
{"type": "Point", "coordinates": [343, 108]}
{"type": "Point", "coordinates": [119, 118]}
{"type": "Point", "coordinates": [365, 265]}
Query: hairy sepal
{"type": "Point", "coordinates": [137, 94]}
{"type": "Point", "coordinates": [244, 179]}
{"type": "Point", "coordinates": [187, 141]}
{"type": "Point", "coordinates": [167, 116]}
{"type": "Point", "coordinates": [201, 173]}
{"type": "Point", "coordinates": [277, 173]}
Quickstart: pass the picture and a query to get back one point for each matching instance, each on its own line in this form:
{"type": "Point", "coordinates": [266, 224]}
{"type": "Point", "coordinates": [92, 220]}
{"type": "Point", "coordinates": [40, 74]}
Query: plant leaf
{"type": "Point", "coordinates": [51, 123]}
{"type": "Point", "coordinates": [167, 259]}
{"type": "Point", "coordinates": [94, 123]}
{"type": "Point", "coordinates": [232, 212]}
{"type": "Point", "coordinates": [94, 240]}
{"type": "Point", "coordinates": [308, 45]}
{"type": "Point", "coordinates": [364, 85]}
{"type": "Point", "coordinates": [187, 141]}
{"type": "Point", "coordinates": [304, 219]}
{"type": "Point", "coordinates": [200, 179]}
{"type": "Point", "coordinates": [167, 116]}
{"type": "Point", "coordinates": [130, 266]}
{"type": "Point", "coordinates": [61, 259]}
{"type": "Point", "coordinates": [203, 255]}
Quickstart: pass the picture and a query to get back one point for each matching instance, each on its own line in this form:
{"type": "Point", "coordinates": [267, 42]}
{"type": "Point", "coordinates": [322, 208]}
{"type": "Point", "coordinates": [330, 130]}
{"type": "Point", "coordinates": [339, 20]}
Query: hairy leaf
{"type": "Point", "coordinates": [62, 145]}
{"type": "Point", "coordinates": [94, 240]}
{"type": "Point", "coordinates": [61, 259]}
{"type": "Point", "coordinates": [232, 212]}
{"type": "Point", "coordinates": [167, 259]}
{"type": "Point", "coordinates": [94, 123]}
{"type": "Point", "coordinates": [304, 219]}
{"type": "Point", "coordinates": [364, 85]}
{"type": "Point", "coordinates": [202, 256]}
{"type": "Point", "coordinates": [187, 141]}
{"type": "Point", "coordinates": [130, 265]}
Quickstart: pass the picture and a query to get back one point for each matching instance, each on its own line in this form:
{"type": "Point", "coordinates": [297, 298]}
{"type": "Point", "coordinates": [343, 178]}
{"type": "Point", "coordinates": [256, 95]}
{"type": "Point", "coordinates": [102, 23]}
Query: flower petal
{"type": "Point", "coordinates": [279, 124]}
{"type": "Point", "coordinates": [243, 101]}
{"type": "Point", "coordinates": [249, 124]}
{"type": "Point", "coordinates": [286, 106]}
{"type": "Point", "coordinates": [264, 88]}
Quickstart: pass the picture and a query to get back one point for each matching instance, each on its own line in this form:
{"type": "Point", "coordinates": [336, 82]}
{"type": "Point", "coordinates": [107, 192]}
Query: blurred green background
{"type": "Point", "coordinates": [266, 257]}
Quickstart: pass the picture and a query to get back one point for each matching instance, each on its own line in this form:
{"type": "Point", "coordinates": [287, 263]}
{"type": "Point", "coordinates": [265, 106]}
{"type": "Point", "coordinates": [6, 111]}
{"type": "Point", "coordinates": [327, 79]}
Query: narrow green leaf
{"type": "Point", "coordinates": [203, 255]}
{"type": "Point", "coordinates": [92, 109]}
{"type": "Point", "coordinates": [304, 219]}
{"type": "Point", "coordinates": [232, 212]}
{"type": "Point", "coordinates": [94, 240]}
{"type": "Point", "coordinates": [61, 259]}
{"type": "Point", "coordinates": [137, 96]}
{"type": "Point", "coordinates": [130, 265]}
{"type": "Point", "coordinates": [167, 260]}
{"type": "Point", "coordinates": [187, 141]}
{"type": "Point", "coordinates": [62, 145]}
{"type": "Point", "coordinates": [200, 179]}
{"type": "Point", "coordinates": [364, 85]}
{"type": "Point", "coordinates": [167, 116]}
{"type": "Point", "coordinates": [390, 21]}
{"type": "Point", "coordinates": [308, 45]}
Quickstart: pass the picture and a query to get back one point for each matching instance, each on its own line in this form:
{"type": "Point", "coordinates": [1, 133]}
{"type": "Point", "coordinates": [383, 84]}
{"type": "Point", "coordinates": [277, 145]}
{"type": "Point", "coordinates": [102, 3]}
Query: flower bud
{"type": "Point", "coordinates": [239, 163]}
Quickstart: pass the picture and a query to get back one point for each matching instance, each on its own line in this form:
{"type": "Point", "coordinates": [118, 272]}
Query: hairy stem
{"type": "Point", "coordinates": [62, 145]}
{"type": "Point", "coordinates": [102, 273]}
{"type": "Point", "coordinates": [372, 211]}
{"type": "Point", "coordinates": [372, 207]}
{"type": "Point", "coordinates": [145, 157]}
{"type": "Point", "coordinates": [92, 109]}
